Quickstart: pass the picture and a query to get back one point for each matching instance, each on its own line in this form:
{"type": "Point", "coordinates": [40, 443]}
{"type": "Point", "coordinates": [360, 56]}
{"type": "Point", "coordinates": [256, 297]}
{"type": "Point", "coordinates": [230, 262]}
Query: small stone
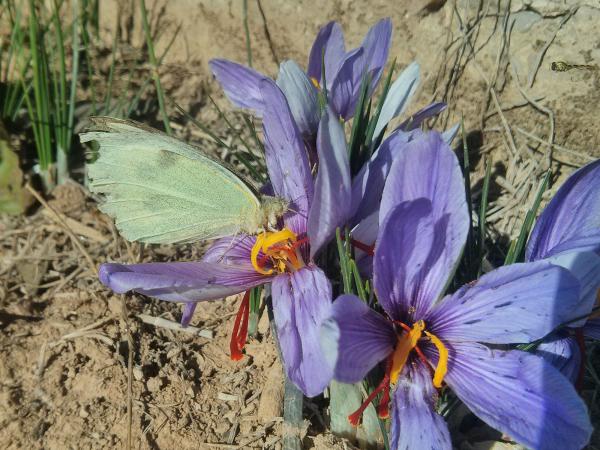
{"type": "Point", "coordinates": [137, 373]}
{"type": "Point", "coordinates": [83, 412]}
{"type": "Point", "coordinates": [155, 384]}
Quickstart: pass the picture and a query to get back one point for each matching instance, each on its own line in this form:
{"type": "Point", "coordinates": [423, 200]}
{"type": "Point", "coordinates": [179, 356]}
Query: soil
{"type": "Point", "coordinates": [69, 347]}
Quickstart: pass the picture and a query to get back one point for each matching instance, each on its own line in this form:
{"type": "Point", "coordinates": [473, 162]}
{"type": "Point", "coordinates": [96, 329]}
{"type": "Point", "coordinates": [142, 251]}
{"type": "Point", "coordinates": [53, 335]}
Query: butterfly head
{"type": "Point", "coordinates": [273, 209]}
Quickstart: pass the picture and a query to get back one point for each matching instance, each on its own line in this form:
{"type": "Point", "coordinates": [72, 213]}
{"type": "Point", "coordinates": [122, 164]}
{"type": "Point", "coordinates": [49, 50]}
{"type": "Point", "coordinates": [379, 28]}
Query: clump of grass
{"type": "Point", "coordinates": [51, 99]}
{"type": "Point", "coordinates": [47, 67]}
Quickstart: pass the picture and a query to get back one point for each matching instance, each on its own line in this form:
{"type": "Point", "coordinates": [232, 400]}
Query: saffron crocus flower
{"type": "Point", "coordinates": [425, 342]}
{"type": "Point", "coordinates": [344, 72]}
{"type": "Point", "coordinates": [301, 292]}
{"type": "Point", "coordinates": [567, 233]}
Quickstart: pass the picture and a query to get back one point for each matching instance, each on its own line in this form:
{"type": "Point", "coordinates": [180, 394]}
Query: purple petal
{"type": "Point", "coordinates": [365, 232]}
{"type": "Point", "coordinates": [368, 184]}
{"type": "Point", "coordinates": [331, 205]}
{"type": "Point", "coordinates": [301, 96]}
{"type": "Point", "coordinates": [188, 313]}
{"type": "Point", "coordinates": [376, 46]}
{"type": "Point", "coordinates": [585, 266]}
{"type": "Point", "coordinates": [562, 351]}
{"type": "Point", "coordinates": [592, 328]}
{"type": "Point", "coordinates": [301, 302]}
{"type": "Point", "coordinates": [415, 424]}
{"type": "Point", "coordinates": [180, 281]}
{"type": "Point", "coordinates": [345, 88]}
{"type": "Point", "coordinates": [240, 84]}
{"type": "Point", "coordinates": [415, 120]}
{"type": "Point", "coordinates": [512, 304]}
{"type": "Point", "coordinates": [355, 339]}
{"type": "Point", "coordinates": [399, 95]}
{"type": "Point", "coordinates": [286, 157]}
{"type": "Point", "coordinates": [231, 250]}
{"type": "Point", "coordinates": [428, 168]}
{"type": "Point", "coordinates": [521, 395]}
{"type": "Point", "coordinates": [570, 221]}
{"type": "Point", "coordinates": [331, 40]}
{"type": "Point", "coordinates": [407, 254]}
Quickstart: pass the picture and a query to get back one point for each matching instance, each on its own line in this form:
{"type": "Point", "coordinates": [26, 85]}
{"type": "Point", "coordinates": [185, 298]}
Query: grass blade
{"type": "Point", "coordinates": [154, 63]}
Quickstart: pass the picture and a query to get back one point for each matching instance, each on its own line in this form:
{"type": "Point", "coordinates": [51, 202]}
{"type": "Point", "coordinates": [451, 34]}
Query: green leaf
{"type": "Point", "coordinates": [13, 198]}
{"type": "Point", "coordinates": [344, 400]}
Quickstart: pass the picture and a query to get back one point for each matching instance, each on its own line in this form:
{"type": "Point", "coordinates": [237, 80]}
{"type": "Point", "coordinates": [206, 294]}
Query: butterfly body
{"type": "Point", "coordinates": [162, 190]}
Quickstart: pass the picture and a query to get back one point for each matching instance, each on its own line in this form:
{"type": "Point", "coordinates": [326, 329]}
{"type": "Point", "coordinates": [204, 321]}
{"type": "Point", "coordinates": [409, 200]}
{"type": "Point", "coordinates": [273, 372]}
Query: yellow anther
{"type": "Point", "coordinates": [279, 248]}
{"type": "Point", "coordinates": [405, 344]}
{"type": "Point", "coordinates": [276, 238]}
{"type": "Point", "coordinates": [315, 82]}
{"type": "Point", "coordinates": [254, 255]}
{"type": "Point", "coordinates": [442, 365]}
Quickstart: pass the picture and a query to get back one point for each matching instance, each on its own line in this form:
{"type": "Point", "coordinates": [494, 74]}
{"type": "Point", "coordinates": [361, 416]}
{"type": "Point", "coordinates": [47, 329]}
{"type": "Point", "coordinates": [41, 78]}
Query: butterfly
{"type": "Point", "coordinates": [162, 190]}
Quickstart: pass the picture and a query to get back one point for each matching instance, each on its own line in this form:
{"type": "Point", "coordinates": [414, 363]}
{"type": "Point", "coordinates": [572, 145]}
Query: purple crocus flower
{"type": "Point", "coordinates": [344, 72]}
{"type": "Point", "coordinates": [425, 341]}
{"type": "Point", "coordinates": [300, 290]}
{"type": "Point", "coordinates": [567, 233]}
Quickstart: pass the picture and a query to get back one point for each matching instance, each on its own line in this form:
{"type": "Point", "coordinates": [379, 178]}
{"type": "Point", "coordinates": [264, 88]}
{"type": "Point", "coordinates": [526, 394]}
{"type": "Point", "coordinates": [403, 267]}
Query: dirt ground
{"type": "Point", "coordinates": [69, 346]}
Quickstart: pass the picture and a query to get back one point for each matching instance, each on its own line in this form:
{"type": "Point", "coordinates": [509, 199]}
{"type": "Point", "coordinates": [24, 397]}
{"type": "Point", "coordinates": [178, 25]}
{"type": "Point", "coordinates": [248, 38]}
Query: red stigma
{"type": "Point", "coordinates": [239, 334]}
{"type": "Point", "coordinates": [383, 409]}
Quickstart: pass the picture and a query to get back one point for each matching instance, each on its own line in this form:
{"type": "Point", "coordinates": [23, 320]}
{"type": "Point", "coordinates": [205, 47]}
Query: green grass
{"type": "Point", "coordinates": [47, 67]}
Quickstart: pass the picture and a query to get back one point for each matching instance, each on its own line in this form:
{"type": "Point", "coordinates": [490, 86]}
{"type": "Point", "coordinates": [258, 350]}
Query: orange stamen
{"type": "Point", "coordinates": [239, 334]}
{"type": "Point", "coordinates": [280, 249]}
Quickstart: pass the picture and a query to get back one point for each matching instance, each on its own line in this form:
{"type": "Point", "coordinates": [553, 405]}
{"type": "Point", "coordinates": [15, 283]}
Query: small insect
{"type": "Point", "coordinates": [561, 66]}
{"type": "Point", "coordinates": [161, 190]}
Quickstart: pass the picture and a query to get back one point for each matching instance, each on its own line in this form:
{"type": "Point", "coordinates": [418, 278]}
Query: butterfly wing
{"type": "Point", "coordinates": [161, 190]}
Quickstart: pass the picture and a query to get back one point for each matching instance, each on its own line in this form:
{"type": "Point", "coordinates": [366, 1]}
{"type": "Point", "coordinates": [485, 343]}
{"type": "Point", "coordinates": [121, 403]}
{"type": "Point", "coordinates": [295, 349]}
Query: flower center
{"type": "Point", "coordinates": [315, 82]}
{"type": "Point", "coordinates": [396, 361]}
{"type": "Point", "coordinates": [277, 252]}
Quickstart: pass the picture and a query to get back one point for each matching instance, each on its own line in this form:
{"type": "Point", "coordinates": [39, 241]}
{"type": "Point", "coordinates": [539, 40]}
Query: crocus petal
{"type": "Point", "coordinates": [521, 395]}
{"type": "Point", "coordinates": [240, 84]}
{"type": "Point", "coordinates": [415, 424]}
{"type": "Point", "coordinates": [376, 46]}
{"type": "Point", "coordinates": [331, 205]}
{"type": "Point", "coordinates": [345, 88]}
{"type": "Point", "coordinates": [231, 250]}
{"type": "Point", "coordinates": [562, 351]}
{"type": "Point", "coordinates": [398, 97]}
{"type": "Point", "coordinates": [368, 184]}
{"type": "Point", "coordinates": [355, 338]}
{"type": "Point", "coordinates": [329, 40]}
{"type": "Point", "coordinates": [409, 248]}
{"type": "Point", "coordinates": [286, 157]}
{"type": "Point", "coordinates": [188, 313]}
{"type": "Point", "coordinates": [570, 221]}
{"type": "Point", "coordinates": [512, 304]}
{"type": "Point", "coordinates": [585, 266]}
{"type": "Point", "coordinates": [301, 302]}
{"type": "Point", "coordinates": [301, 96]}
{"type": "Point", "coordinates": [180, 281]}
{"type": "Point", "coordinates": [415, 120]}
{"type": "Point", "coordinates": [592, 328]}
{"type": "Point", "coordinates": [366, 233]}
{"type": "Point", "coordinates": [428, 168]}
